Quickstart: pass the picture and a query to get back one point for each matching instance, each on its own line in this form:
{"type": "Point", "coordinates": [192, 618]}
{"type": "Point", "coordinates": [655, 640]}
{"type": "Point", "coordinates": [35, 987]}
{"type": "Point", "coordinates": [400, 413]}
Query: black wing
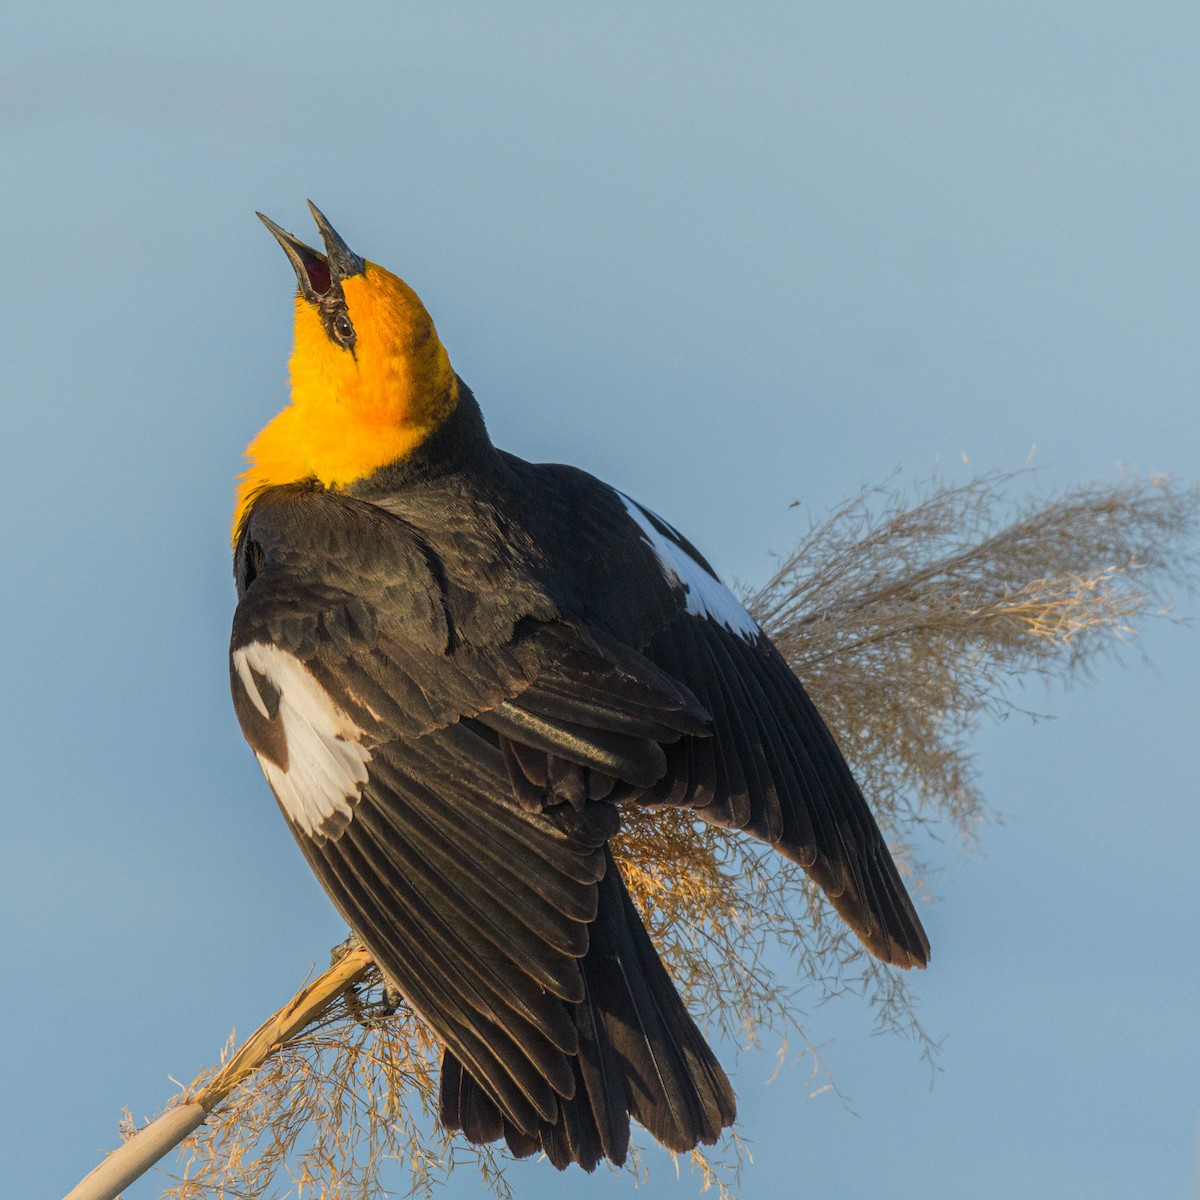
{"type": "Point", "coordinates": [390, 744]}
{"type": "Point", "coordinates": [771, 767]}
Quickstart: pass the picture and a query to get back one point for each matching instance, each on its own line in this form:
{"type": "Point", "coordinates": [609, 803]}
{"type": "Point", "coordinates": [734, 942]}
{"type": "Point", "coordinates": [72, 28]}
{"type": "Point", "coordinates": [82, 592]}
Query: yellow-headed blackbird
{"type": "Point", "coordinates": [455, 667]}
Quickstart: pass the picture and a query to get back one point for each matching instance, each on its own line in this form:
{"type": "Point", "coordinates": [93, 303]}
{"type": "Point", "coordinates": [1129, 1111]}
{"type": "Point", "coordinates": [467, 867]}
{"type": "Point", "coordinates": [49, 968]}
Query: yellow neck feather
{"type": "Point", "coordinates": [352, 414]}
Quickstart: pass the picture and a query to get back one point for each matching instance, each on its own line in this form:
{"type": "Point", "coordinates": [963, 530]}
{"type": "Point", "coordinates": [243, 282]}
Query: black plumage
{"type": "Point", "coordinates": [458, 668]}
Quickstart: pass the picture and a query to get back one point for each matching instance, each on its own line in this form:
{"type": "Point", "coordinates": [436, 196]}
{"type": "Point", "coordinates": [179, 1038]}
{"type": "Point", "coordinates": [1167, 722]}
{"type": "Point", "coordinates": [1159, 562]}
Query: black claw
{"type": "Point", "coordinates": [393, 998]}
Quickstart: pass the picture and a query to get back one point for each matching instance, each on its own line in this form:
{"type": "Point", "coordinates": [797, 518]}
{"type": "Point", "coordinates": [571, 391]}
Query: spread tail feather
{"type": "Point", "coordinates": [640, 1055]}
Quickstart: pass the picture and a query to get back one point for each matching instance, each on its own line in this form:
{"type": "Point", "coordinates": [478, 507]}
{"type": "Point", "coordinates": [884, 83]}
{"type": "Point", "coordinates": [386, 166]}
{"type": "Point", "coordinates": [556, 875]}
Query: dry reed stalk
{"type": "Point", "coordinates": [909, 620]}
{"type": "Point", "coordinates": [191, 1108]}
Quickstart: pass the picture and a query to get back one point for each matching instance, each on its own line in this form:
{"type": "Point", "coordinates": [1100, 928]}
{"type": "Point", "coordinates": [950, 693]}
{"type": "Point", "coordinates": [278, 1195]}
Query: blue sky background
{"type": "Point", "coordinates": [724, 257]}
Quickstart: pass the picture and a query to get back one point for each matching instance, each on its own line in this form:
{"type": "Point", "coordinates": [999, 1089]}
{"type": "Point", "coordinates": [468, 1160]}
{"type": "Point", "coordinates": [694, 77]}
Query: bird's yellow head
{"type": "Point", "coordinates": [370, 378]}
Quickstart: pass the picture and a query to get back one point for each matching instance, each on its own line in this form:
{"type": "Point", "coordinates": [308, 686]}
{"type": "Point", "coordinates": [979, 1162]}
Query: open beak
{"type": "Point", "coordinates": [318, 274]}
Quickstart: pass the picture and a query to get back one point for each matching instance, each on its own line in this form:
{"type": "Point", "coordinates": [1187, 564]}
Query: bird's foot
{"type": "Point", "coordinates": [353, 942]}
{"type": "Point", "coordinates": [392, 998]}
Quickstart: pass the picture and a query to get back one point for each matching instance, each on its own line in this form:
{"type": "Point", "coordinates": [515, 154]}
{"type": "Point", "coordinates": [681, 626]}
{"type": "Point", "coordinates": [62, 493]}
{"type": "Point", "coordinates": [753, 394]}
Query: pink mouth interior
{"type": "Point", "coordinates": [318, 270]}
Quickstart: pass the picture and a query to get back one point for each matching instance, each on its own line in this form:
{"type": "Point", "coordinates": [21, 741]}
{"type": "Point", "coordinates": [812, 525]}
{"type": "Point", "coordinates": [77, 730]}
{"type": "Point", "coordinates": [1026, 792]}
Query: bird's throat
{"type": "Point", "coordinates": [338, 440]}
{"type": "Point", "coordinates": [355, 409]}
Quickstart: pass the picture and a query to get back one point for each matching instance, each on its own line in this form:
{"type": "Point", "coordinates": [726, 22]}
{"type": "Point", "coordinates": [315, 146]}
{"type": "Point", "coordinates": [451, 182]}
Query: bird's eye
{"type": "Point", "coordinates": [342, 329]}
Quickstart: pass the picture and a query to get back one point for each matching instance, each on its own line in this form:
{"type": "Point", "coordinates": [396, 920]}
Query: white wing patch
{"type": "Point", "coordinates": [326, 761]}
{"type": "Point", "coordinates": [707, 596]}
